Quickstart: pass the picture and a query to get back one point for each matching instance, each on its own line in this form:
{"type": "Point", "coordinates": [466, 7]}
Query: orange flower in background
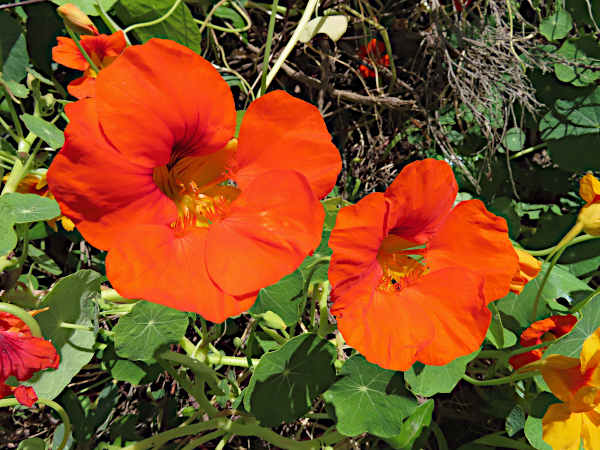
{"type": "Point", "coordinates": [142, 170]}
{"type": "Point", "coordinates": [372, 52]}
{"type": "Point", "coordinates": [542, 331]}
{"type": "Point", "coordinates": [76, 20]}
{"type": "Point", "coordinates": [102, 49]}
{"type": "Point", "coordinates": [529, 268]}
{"type": "Point", "coordinates": [33, 184]}
{"type": "Point", "coordinates": [21, 355]}
{"type": "Point", "coordinates": [576, 382]}
{"type": "Point", "coordinates": [412, 276]}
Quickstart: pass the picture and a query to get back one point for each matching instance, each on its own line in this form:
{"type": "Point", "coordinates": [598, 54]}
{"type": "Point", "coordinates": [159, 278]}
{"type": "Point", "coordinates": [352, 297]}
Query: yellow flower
{"type": "Point", "coordinates": [529, 268]}
{"type": "Point", "coordinates": [577, 383]}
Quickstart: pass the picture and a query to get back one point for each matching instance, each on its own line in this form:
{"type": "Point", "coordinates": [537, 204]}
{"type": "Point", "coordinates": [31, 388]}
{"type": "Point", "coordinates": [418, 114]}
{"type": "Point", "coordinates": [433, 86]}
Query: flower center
{"type": "Point", "coordinates": [403, 262]}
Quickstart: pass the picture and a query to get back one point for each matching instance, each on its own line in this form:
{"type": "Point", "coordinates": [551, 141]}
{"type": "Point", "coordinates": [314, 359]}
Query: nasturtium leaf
{"type": "Point", "coordinates": [369, 399]}
{"type": "Point", "coordinates": [514, 139]}
{"type": "Point", "coordinates": [412, 427]}
{"type": "Point", "coordinates": [80, 416]}
{"type": "Point", "coordinates": [551, 228]}
{"type": "Point", "coordinates": [87, 6]}
{"type": "Point", "coordinates": [497, 335]}
{"type": "Point", "coordinates": [572, 132]}
{"type": "Point", "coordinates": [540, 404]}
{"type": "Point", "coordinates": [582, 259]}
{"type": "Point", "coordinates": [44, 130]}
{"type": "Point", "coordinates": [332, 206]}
{"type": "Point", "coordinates": [323, 250]}
{"type": "Point", "coordinates": [570, 345]}
{"type": "Point", "coordinates": [503, 207]}
{"type": "Point", "coordinates": [560, 284]}
{"type": "Point", "coordinates": [533, 433]}
{"type": "Point", "coordinates": [32, 444]}
{"type": "Point", "coordinates": [282, 298]}
{"type": "Point", "coordinates": [148, 328]}
{"type": "Point", "coordinates": [179, 26]}
{"type": "Point", "coordinates": [13, 56]}
{"type": "Point", "coordinates": [134, 372]}
{"type": "Point", "coordinates": [223, 12]}
{"type": "Point", "coordinates": [31, 207]}
{"type": "Point", "coordinates": [557, 26]}
{"type": "Point", "coordinates": [429, 380]}
{"type": "Point", "coordinates": [515, 421]}
{"type": "Point", "coordinates": [583, 51]}
{"type": "Point", "coordinates": [43, 260]}
{"type": "Point", "coordinates": [48, 25]}
{"type": "Point", "coordinates": [332, 26]}
{"type": "Point", "coordinates": [285, 382]}
{"type": "Point", "coordinates": [69, 301]}
{"type": "Point", "coordinates": [17, 89]}
{"type": "Point", "coordinates": [8, 237]}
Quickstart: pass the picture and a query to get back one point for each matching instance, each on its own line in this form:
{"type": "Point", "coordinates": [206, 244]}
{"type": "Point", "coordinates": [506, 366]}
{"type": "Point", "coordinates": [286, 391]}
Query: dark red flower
{"type": "Point", "coordinates": [372, 53]}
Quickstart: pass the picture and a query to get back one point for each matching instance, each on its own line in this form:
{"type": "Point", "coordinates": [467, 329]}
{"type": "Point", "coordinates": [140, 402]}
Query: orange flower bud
{"type": "Point", "coordinates": [529, 268]}
{"type": "Point", "coordinates": [76, 20]}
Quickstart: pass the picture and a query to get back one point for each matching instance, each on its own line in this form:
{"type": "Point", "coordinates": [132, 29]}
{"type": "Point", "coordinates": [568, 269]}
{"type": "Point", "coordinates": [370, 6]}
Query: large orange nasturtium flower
{"type": "Point", "coordinates": [412, 276]}
{"type": "Point", "coordinates": [103, 51]}
{"type": "Point", "coordinates": [576, 382]}
{"type": "Point", "coordinates": [141, 175]}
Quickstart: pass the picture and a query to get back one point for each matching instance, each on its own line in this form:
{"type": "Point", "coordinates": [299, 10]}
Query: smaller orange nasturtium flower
{"type": "Point", "coordinates": [529, 268]}
{"type": "Point", "coordinates": [33, 184]}
{"type": "Point", "coordinates": [21, 355]}
{"type": "Point", "coordinates": [576, 382]}
{"type": "Point", "coordinates": [374, 50]}
{"type": "Point", "coordinates": [76, 20]}
{"type": "Point", "coordinates": [102, 49]}
{"type": "Point", "coordinates": [542, 331]}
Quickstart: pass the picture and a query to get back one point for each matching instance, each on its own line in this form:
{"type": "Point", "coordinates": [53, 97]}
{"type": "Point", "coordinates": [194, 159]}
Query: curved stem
{"type": "Point", "coordinates": [153, 22]}
{"type": "Point", "coordinates": [27, 318]}
{"type": "Point", "coordinates": [543, 283]}
{"type": "Point", "coordinates": [528, 150]}
{"type": "Point", "coordinates": [263, 82]}
{"type": "Point", "coordinates": [499, 381]}
{"type": "Point", "coordinates": [211, 13]}
{"type": "Point", "coordinates": [547, 251]}
{"type": "Point", "coordinates": [308, 12]}
{"type": "Point", "coordinates": [82, 50]}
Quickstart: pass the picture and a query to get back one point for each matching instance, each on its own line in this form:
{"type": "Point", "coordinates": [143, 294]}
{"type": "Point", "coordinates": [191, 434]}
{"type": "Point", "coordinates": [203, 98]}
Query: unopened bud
{"type": "Point", "coordinates": [49, 100]}
{"type": "Point", "coordinates": [237, 342]}
{"type": "Point", "coordinates": [76, 20]}
{"type": "Point", "coordinates": [273, 321]}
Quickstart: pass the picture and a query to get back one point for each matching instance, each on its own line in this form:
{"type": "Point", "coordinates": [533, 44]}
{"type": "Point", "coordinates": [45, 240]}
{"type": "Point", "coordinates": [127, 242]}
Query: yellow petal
{"type": "Point", "coordinates": [562, 375]}
{"type": "Point", "coordinates": [590, 430]}
{"type": "Point", "coordinates": [529, 268]}
{"type": "Point", "coordinates": [562, 428]}
{"type": "Point", "coordinates": [589, 188]}
{"type": "Point", "coordinates": [67, 223]}
{"type": "Point", "coordinates": [584, 400]}
{"type": "Point", "coordinates": [590, 353]}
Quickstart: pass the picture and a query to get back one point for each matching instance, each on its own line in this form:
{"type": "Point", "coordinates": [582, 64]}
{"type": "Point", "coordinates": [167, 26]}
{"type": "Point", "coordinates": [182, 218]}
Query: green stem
{"type": "Point", "coordinates": [274, 334]}
{"type": "Point", "coordinates": [388, 49]}
{"type": "Point", "coordinates": [543, 283]}
{"type": "Point", "coordinates": [82, 50]}
{"type": "Point", "coordinates": [27, 318]}
{"type": "Point", "coordinates": [308, 12]}
{"type": "Point", "coordinates": [24, 252]}
{"type": "Point", "coordinates": [9, 129]}
{"type": "Point", "coordinates": [499, 381]}
{"type": "Point", "coordinates": [113, 296]}
{"type": "Point", "coordinates": [74, 326]}
{"type": "Point", "coordinates": [441, 439]}
{"type": "Point", "coordinates": [319, 262]}
{"type": "Point", "coordinates": [528, 150]}
{"type": "Point", "coordinates": [203, 439]}
{"type": "Point", "coordinates": [581, 304]}
{"type": "Point", "coordinates": [153, 22]}
{"type": "Point", "coordinates": [248, 347]}
{"type": "Point", "coordinates": [59, 409]}
{"type": "Point", "coordinates": [548, 251]}
{"type": "Point", "coordinates": [323, 315]}
{"type": "Point", "coordinates": [19, 169]}
{"type": "Point", "coordinates": [210, 14]}
{"type": "Point", "coordinates": [263, 82]}
{"type": "Point", "coordinates": [13, 113]}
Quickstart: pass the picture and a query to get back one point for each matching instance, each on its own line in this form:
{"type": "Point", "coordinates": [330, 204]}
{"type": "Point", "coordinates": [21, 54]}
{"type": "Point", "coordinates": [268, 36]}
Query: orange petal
{"type": "Point", "coordinates": [562, 375]}
{"type": "Point", "coordinates": [270, 228]}
{"type": "Point", "coordinates": [529, 268]}
{"type": "Point", "coordinates": [154, 263]}
{"type": "Point", "coordinates": [104, 46]}
{"type": "Point", "coordinates": [421, 195]}
{"type": "Point", "coordinates": [474, 238]}
{"type": "Point", "coordinates": [160, 101]}
{"type": "Point", "coordinates": [83, 87]}
{"type": "Point", "coordinates": [76, 20]}
{"type": "Point", "coordinates": [387, 327]}
{"type": "Point", "coordinates": [282, 132]}
{"type": "Point", "coordinates": [557, 325]}
{"type": "Point", "coordinates": [355, 240]}
{"type": "Point", "coordinates": [562, 428]}
{"type": "Point", "coordinates": [460, 316]}
{"type": "Point", "coordinates": [589, 189]}
{"type": "Point", "coordinates": [67, 54]}
{"type": "Point", "coordinates": [590, 352]}
{"type": "Point", "coordinates": [97, 188]}
{"type": "Point", "coordinates": [590, 430]}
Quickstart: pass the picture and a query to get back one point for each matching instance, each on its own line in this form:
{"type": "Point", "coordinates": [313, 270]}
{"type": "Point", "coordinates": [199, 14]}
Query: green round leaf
{"type": "Point", "coordinates": [13, 48]}
{"type": "Point", "coordinates": [320, 275]}
{"type": "Point", "coordinates": [286, 381]}
{"type": "Point", "coordinates": [514, 139]}
{"type": "Point", "coordinates": [282, 298]}
{"type": "Point", "coordinates": [557, 26]}
{"type": "Point", "coordinates": [369, 399]}
{"type": "Point", "coordinates": [429, 380]}
{"type": "Point", "coordinates": [31, 207]}
{"type": "Point", "coordinates": [515, 421]}
{"type": "Point", "coordinates": [44, 130]}
{"type": "Point", "coordinates": [332, 26]}
{"type": "Point", "coordinates": [69, 301]}
{"type": "Point", "coordinates": [32, 444]}
{"type": "Point", "coordinates": [134, 372]}
{"type": "Point", "coordinates": [148, 328]}
{"type": "Point", "coordinates": [533, 433]}
{"type": "Point", "coordinates": [413, 427]}
{"type": "Point", "coordinates": [8, 237]}
{"type": "Point", "coordinates": [586, 53]}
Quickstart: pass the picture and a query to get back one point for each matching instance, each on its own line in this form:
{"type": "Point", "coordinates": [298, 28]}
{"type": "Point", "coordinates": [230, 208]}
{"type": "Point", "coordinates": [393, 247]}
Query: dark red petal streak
{"type": "Point", "coordinates": [99, 189]}
{"type": "Point", "coordinates": [453, 300]}
{"type": "Point", "coordinates": [387, 327]}
{"type": "Point", "coordinates": [355, 240]}
{"type": "Point", "coordinates": [161, 98]}
{"type": "Point", "coordinates": [21, 355]}
{"type": "Point", "coordinates": [474, 238]}
{"type": "Point", "coordinates": [282, 132]}
{"type": "Point", "coordinates": [155, 264]}
{"type": "Point", "coordinates": [421, 196]}
{"type": "Point", "coordinates": [271, 227]}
